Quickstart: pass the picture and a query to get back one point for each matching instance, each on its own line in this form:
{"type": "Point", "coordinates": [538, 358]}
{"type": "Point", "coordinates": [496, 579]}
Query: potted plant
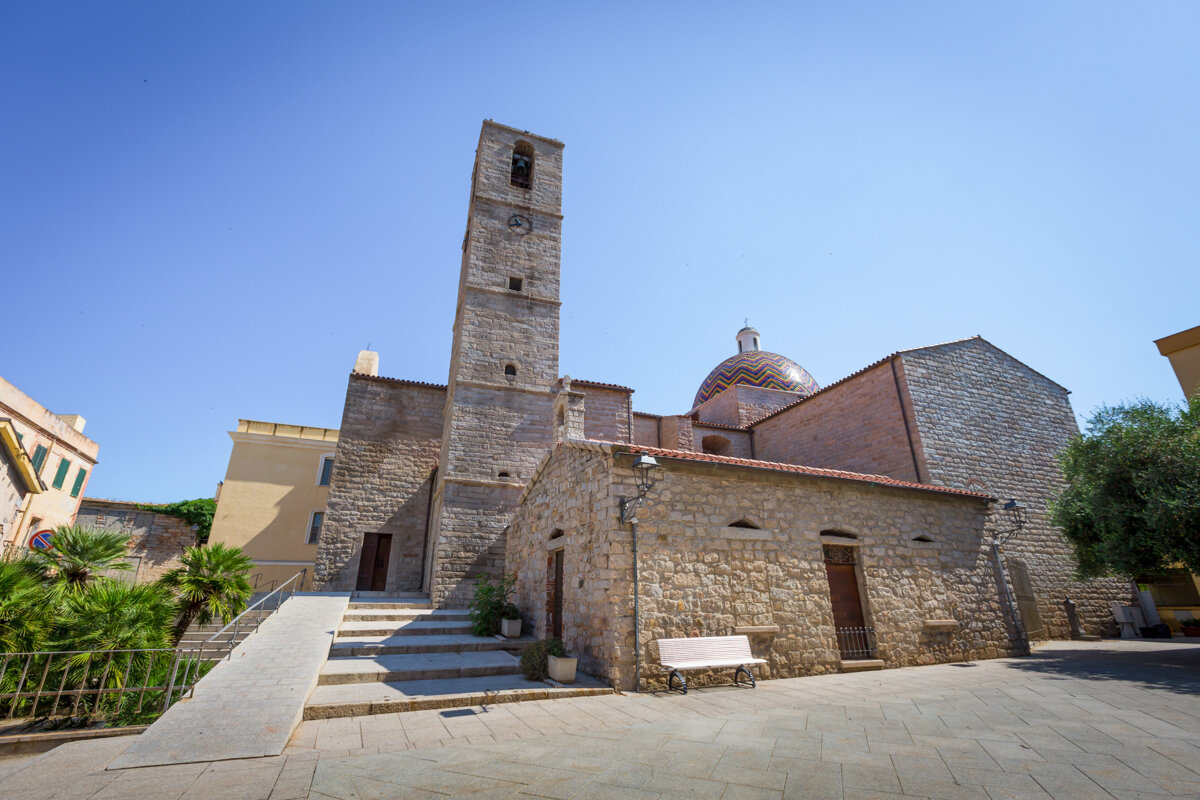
{"type": "Point", "coordinates": [490, 605]}
{"type": "Point", "coordinates": [1189, 625]}
{"type": "Point", "coordinates": [510, 622]}
{"type": "Point", "coordinates": [560, 665]}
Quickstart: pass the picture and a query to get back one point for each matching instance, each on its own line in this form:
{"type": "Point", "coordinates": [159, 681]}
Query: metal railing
{"type": "Point", "coordinates": [856, 642]}
{"type": "Point", "coordinates": [95, 684]}
{"type": "Point", "coordinates": [269, 604]}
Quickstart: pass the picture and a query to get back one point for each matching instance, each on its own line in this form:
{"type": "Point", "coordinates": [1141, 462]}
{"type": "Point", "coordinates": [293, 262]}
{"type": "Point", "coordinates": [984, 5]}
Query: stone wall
{"type": "Point", "coordinates": [700, 577]}
{"type": "Point", "coordinates": [386, 452]}
{"type": "Point", "coordinates": [856, 425]}
{"type": "Point", "coordinates": [985, 420]}
{"type": "Point", "coordinates": [156, 541]}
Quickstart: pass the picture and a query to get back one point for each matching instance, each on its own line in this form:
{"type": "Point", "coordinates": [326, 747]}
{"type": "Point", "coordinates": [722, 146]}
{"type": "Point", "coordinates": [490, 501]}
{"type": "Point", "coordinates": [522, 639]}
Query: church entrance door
{"type": "Point", "coordinates": [372, 568]}
{"type": "Point", "coordinates": [854, 638]}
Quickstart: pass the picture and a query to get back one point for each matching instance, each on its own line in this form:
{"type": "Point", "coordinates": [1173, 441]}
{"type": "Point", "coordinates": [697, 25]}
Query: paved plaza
{"type": "Point", "coordinates": [1075, 720]}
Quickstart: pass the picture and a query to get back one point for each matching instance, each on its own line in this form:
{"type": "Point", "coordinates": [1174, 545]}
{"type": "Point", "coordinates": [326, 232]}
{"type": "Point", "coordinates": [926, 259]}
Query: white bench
{"type": "Point", "coordinates": [706, 652]}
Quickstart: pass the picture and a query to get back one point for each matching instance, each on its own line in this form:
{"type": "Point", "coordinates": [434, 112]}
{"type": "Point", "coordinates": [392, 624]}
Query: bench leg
{"type": "Point", "coordinates": [676, 676]}
{"type": "Point", "coordinates": [749, 678]}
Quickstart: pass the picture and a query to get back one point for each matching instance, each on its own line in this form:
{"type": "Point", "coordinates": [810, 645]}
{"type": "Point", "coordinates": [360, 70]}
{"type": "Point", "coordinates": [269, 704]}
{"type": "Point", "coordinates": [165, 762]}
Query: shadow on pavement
{"type": "Point", "coordinates": [1163, 665]}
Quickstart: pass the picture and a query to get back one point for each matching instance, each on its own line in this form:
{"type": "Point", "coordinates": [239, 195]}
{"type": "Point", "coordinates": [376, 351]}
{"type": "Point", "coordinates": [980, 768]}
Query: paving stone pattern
{"type": "Point", "coordinates": [1075, 720]}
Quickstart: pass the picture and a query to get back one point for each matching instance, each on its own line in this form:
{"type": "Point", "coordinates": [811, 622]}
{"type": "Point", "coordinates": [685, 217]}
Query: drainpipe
{"type": "Point", "coordinates": [1022, 639]}
{"type": "Point", "coordinates": [637, 622]}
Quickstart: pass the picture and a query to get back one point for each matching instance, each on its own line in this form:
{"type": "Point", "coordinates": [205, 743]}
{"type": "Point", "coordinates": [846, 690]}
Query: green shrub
{"type": "Point", "coordinates": [533, 657]}
{"type": "Point", "coordinates": [491, 604]}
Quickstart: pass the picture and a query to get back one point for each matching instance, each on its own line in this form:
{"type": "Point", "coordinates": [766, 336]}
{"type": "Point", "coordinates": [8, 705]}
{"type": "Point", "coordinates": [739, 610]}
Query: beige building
{"type": "Point", "coordinates": [272, 502]}
{"type": "Point", "coordinates": [60, 457]}
{"type": "Point", "coordinates": [1183, 351]}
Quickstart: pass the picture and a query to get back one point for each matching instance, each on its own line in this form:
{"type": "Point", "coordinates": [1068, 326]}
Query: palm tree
{"type": "Point", "coordinates": [25, 611]}
{"type": "Point", "coordinates": [211, 583]}
{"type": "Point", "coordinates": [114, 615]}
{"type": "Point", "coordinates": [80, 553]}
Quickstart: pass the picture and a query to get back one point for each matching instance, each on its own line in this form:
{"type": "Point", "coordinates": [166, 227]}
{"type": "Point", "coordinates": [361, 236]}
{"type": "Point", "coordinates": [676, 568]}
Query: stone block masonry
{"type": "Point", "coordinates": [156, 541]}
{"type": "Point", "coordinates": [387, 450]}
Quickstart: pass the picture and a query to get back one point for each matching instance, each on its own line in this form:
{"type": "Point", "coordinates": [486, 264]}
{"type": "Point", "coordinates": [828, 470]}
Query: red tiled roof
{"type": "Point", "coordinates": [599, 385]}
{"type": "Point", "coordinates": [402, 381]}
{"type": "Point", "coordinates": [698, 424]}
{"type": "Point", "coordinates": [816, 472]}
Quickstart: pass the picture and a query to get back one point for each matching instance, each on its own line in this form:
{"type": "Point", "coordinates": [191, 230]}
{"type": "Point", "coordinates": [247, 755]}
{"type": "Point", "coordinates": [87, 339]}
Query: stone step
{"type": "Point", "coordinates": [417, 667]}
{"type": "Point", "coordinates": [358, 595]}
{"type": "Point", "coordinates": [416, 605]}
{"type": "Point", "coordinates": [405, 615]}
{"type": "Point", "coordinates": [443, 643]}
{"type": "Point", "coordinates": [359, 699]}
{"type": "Point", "coordinates": [393, 628]}
{"type": "Point", "coordinates": [861, 665]}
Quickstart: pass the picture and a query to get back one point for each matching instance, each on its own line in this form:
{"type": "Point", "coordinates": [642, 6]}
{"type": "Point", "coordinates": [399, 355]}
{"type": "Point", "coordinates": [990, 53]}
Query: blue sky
{"type": "Point", "coordinates": [207, 209]}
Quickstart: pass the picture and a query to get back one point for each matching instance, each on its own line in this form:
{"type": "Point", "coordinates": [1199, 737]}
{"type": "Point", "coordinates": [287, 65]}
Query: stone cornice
{"type": "Point", "coordinates": [483, 482]}
{"type": "Point", "coordinates": [514, 295]}
{"type": "Point", "coordinates": [503, 387]}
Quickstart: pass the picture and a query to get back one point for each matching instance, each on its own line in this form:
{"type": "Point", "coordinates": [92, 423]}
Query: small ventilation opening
{"type": "Point", "coordinates": [922, 538]}
{"type": "Point", "coordinates": [515, 284]}
{"type": "Point", "coordinates": [557, 534]}
{"type": "Point", "coordinates": [744, 523]}
{"type": "Point", "coordinates": [509, 369]}
{"type": "Point", "coordinates": [504, 475]}
{"type": "Point", "coordinates": [838, 535]}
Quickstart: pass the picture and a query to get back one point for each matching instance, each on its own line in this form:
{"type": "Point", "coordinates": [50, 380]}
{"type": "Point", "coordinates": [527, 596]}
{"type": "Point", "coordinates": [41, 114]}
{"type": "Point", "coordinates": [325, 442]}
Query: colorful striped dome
{"type": "Point", "coordinates": [756, 368]}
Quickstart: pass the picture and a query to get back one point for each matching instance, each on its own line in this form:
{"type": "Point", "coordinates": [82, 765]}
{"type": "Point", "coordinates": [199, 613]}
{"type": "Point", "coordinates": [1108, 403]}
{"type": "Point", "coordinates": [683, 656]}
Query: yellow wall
{"type": "Point", "coordinates": [269, 494]}
{"type": "Point", "coordinates": [1183, 350]}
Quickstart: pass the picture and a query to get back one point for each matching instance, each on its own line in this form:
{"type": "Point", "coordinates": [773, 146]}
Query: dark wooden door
{"type": "Point", "coordinates": [556, 600]}
{"type": "Point", "coordinates": [372, 567]}
{"type": "Point", "coordinates": [843, 592]}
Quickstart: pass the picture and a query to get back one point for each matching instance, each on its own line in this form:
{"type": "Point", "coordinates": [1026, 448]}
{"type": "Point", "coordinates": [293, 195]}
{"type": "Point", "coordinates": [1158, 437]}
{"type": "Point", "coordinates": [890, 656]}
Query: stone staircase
{"type": "Point", "coordinates": [198, 635]}
{"type": "Point", "coordinates": [397, 653]}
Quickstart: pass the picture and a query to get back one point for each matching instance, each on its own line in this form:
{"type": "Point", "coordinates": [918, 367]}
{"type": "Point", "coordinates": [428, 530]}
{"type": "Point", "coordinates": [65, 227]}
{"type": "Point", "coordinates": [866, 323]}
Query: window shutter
{"type": "Point", "coordinates": [79, 476]}
{"type": "Point", "coordinates": [64, 466]}
{"type": "Point", "coordinates": [39, 458]}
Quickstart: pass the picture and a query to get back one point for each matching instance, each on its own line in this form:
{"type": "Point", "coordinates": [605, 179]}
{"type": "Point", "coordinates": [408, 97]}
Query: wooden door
{"type": "Point", "coordinates": [849, 622]}
{"type": "Point", "coordinates": [556, 597]}
{"type": "Point", "coordinates": [372, 567]}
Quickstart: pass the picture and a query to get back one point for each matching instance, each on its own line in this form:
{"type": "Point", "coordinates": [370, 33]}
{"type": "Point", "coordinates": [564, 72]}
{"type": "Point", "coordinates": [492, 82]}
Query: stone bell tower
{"type": "Point", "coordinates": [498, 419]}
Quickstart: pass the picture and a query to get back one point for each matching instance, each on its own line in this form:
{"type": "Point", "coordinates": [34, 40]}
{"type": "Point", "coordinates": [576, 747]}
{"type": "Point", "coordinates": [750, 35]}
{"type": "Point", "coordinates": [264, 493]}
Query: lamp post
{"type": "Point", "coordinates": [644, 464]}
{"type": "Point", "coordinates": [1013, 519]}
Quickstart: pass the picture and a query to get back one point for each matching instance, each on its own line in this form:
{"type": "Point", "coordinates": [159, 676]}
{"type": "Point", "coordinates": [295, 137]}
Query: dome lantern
{"type": "Point", "coordinates": [747, 340]}
{"type": "Point", "coordinates": [753, 366]}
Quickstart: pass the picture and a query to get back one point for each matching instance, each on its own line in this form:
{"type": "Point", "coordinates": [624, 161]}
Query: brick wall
{"type": "Point", "coordinates": [156, 540]}
{"type": "Point", "coordinates": [606, 412]}
{"type": "Point", "coordinates": [387, 448]}
{"type": "Point", "coordinates": [856, 425]}
{"type": "Point", "coordinates": [984, 418]}
{"type": "Point", "coordinates": [645, 429]}
{"type": "Point", "coordinates": [740, 405]}
{"type": "Point", "coordinates": [738, 442]}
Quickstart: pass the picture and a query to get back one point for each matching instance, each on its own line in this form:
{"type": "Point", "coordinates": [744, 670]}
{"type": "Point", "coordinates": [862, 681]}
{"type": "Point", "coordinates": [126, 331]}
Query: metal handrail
{"type": "Point", "coordinates": [294, 582]}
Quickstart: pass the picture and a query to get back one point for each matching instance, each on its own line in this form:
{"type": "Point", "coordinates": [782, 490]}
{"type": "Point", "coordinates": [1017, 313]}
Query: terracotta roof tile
{"type": "Point", "coordinates": [402, 381]}
{"type": "Point", "coordinates": [600, 385]}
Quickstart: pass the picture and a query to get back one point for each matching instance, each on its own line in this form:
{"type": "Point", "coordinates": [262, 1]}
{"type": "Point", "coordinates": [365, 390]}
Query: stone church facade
{"type": "Point", "coordinates": [787, 511]}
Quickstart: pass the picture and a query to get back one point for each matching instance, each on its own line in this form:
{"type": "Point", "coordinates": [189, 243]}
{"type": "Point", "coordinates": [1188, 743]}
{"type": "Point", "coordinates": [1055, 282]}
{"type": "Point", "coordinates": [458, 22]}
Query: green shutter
{"type": "Point", "coordinates": [60, 477]}
{"type": "Point", "coordinates": [39, 458]}
{"type": "Point", "coordinates": [79, 476]}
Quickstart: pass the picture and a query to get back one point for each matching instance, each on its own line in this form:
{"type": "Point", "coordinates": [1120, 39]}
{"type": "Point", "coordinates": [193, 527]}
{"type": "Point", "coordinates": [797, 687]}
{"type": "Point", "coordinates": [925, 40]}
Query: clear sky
{"type": "Point", "coordinates": [207, 208]}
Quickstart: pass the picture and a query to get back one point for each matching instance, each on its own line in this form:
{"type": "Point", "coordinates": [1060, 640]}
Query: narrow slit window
{"type": "Point", "coordinates": [922, 538]}
{"type": "Point", "coordinates": [521, 175]}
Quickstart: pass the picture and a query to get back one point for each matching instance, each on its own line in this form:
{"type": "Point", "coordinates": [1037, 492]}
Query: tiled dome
{"type": "Point", "coordinates": [759, 368]}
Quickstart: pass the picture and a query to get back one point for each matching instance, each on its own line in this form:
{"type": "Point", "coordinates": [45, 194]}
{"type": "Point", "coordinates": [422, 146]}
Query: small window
{"type": "Point", "coordinates": [314, 527]}
{"type": "Point", "coordinates": [744, 523]}
{"type": "Point", "coordinates": [326, 471]}
{"type": "Point", "coordinates": [557, 534]}
{"type": "Point", "coordinates": [515, 284]}
{"type": "Point", "coordinates": [521, 175]}
{"type": "Point", "coordinates": [504, 475]}
{"type": "Point", "coordinates": [838, 535]}
{"type": "Point", "coordinates": [39, 458]}
{"type": "Point", "coordinates": [922, 538]}
{"type": "Point", "coordinates": [60, 477]}
{"type": "Point", "coordinates": [77, 487]}
{"type": "Point", "coordinates": [509, 369]}
{"type": "Point", "coordinates": [755, 342]}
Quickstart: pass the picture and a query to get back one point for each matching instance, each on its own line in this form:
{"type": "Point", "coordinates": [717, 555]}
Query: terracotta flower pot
{"type": "Point", "coordinates": [510, 628]}
{"type": "Point", "coordinates": [1190, 630]}
{"type": "Point", "coordinates": [561, 669]}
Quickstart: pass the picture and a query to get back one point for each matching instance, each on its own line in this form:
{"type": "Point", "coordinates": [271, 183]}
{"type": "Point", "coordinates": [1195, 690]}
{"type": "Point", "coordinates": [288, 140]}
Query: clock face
{"type": "Point", "coordinates": [518, 223]}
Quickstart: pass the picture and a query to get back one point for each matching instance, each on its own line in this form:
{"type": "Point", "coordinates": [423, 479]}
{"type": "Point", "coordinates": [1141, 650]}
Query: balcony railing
{"type": "Point", "coordinates": [856, 643]}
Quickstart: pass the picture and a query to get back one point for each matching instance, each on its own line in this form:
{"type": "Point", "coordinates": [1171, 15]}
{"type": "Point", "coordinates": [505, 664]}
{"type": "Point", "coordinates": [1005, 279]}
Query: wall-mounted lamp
{"type": "Point", "coordinates": [644, 464]}
{"type": "Point", "coordinates": [1011, 521]}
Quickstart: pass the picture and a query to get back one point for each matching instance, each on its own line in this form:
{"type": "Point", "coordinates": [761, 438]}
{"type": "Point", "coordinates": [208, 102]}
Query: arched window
{"type": "Point", "coordinates": [922, 538]}
{"type": "Point", "coordinates": [744, 523]}
{"type": "Point", "coordinates": [522, 166]}
{"type": "Point", "coordinates": [838, 535]}
{"type": "Point", "coordinates": [509, 369]}
{"type": "Point", "coordinates": [716, 445]}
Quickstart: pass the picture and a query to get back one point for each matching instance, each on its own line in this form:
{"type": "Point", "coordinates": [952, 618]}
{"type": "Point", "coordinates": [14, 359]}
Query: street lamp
{"type": "Point", "coordinates": [644, 464]}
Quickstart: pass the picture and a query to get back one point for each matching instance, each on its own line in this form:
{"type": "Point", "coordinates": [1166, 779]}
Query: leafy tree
{"type": "Point", "coordinates": [1132, 501]}
{"type": "Point", "coordinates": [26, 614]}
{"type": "Point", "coordinates": [79, 554]}
{"type": "Point", "coordinates": [114, 615]}
{"type": "Point", "coordinates": [211, 583]}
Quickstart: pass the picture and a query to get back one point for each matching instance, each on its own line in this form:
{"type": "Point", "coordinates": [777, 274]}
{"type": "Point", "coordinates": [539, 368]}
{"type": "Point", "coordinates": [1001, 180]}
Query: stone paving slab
{"type": "Point", "coordinates": [249, 705]}
{"type": "Point", "coordinates": [1075, 720]}
{"type": "Point", "coordinates": [418, 666]}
